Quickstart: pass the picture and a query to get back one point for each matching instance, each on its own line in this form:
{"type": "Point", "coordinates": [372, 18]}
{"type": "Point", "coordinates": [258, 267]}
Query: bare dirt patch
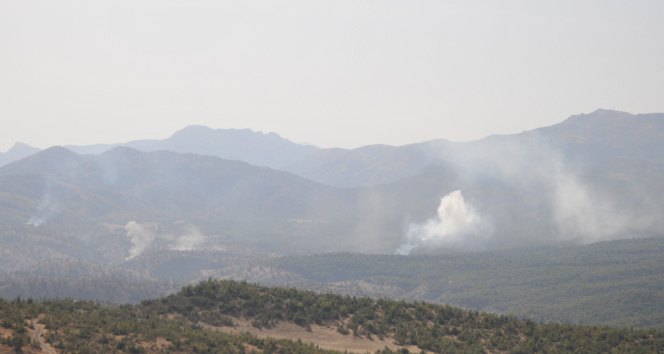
{"type": "Point", "coordinates": [323, 337]}
{"type": "Point", "coordinates": [6, 332]}
{"type": "Point", "coordinates": [157, 346]}
{"type": "Point", "coordinates": [26, 350]}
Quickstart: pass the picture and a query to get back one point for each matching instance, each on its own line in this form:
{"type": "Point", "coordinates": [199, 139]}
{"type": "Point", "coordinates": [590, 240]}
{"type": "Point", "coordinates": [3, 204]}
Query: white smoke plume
{"type": "Point", "coordinates": [46, 209]}
{"type": "Point", "coordinates": [140, 239]}
{"type": "Point", "coordinates": [541, 180]}
{"type": "Point", "coordinates": [456, 225]}
{"type": "Point", "coordinates": [192, 240]}
{"type": "Point", "coordinates": [580, 213]}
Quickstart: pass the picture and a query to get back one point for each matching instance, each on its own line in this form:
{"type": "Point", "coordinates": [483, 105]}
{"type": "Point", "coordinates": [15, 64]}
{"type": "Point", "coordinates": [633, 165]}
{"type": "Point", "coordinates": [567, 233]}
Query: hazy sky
{"type": "Point", "coordinates": [331, 73]}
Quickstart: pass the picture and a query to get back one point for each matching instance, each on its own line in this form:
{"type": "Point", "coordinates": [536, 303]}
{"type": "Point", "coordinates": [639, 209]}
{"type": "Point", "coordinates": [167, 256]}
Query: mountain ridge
{"type": "Point", "coordinates": [16, 152]}
{"type": "Point", "coordinates": [600, 137]}
{"type": "Point", "coordinates": [254, 147]}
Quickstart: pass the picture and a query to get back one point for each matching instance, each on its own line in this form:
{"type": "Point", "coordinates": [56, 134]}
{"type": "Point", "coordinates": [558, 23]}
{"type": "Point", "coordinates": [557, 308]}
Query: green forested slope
{"type": "Point", "coordinates": [613, 283]}
{"type": "Point", "coordinates": [174, 324]}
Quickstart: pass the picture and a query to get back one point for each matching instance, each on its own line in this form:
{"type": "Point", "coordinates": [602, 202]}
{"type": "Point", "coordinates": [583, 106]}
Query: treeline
{"type": "Point", "coordinates": [177, 324]}
{"type": "Point", "coordinates": [84, 327]}
{"type": "Point", "coordinates": [101, 288]}
{"type": "Point", "coordinates": [432, 327]}
{"type": "Point", "coordinates": [617, 283]}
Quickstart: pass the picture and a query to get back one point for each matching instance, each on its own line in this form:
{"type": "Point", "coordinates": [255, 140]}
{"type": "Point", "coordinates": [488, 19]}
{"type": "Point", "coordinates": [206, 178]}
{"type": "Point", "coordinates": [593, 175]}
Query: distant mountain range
{"type": "Point", "coordinates": [599, 137]}
{"type": "Point", "coordinates": [65, 204]}
{"type": "Point", "coordinates": [245, 145]}
{"type": "Point", "coordinates": [127, 222]}
{"type": "Point", "coordinates": [603, 136]}
{"type": "Point", "coordinates": [592, 177]}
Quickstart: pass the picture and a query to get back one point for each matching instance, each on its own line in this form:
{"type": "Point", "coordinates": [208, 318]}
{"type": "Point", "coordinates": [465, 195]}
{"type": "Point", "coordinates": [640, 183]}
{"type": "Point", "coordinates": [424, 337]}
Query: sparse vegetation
{"type": "Point", "coordinates": [175, 324]}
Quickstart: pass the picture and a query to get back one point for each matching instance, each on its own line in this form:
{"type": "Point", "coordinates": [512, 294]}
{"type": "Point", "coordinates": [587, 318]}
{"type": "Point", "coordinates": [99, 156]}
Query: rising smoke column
{"type": "Point", "coordinates": [47, 208]}
{"type": "Point", "coordinates": [456, 225]}
{"type": "Point", "coordinates": [140, 239]}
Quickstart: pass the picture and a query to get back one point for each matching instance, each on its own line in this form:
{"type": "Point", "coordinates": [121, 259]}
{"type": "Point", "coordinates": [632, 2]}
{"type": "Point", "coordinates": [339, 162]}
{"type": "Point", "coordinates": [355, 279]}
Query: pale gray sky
{"type": "Point", "coordinates": [331, 73]}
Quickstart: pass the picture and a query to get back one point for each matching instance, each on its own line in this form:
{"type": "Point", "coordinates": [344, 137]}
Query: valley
{"type": "Point", "coordinates": [556, 225]}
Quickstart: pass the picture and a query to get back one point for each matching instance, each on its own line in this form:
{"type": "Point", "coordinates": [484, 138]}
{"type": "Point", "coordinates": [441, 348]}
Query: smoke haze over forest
{"type": "Point", "coordinates": [501, 157]}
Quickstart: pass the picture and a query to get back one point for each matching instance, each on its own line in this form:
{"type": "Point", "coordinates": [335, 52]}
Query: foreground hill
{"type": "Point", "coordinates": [198, 318]}
{"type": "Point", "coordinates": [245, 145]}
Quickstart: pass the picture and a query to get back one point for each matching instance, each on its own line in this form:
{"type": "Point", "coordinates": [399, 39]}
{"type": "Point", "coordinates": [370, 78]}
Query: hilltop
{"type": "Point", "coordinates": [16, 152]}
{"type": "Point", "coordinates": [199, 319]}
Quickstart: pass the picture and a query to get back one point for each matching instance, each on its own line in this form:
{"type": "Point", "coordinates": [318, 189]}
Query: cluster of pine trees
{"type": "Point", "coordinates": [615, 283]}
{"type": "Point", "coordinates": [176, 324]}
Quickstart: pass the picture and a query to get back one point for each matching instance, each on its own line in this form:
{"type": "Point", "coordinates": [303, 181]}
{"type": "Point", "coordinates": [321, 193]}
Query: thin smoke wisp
{"type": "Point", "coordinates": [139, 237]}
{"type": "Point", "coordinates": [47, 208]}
{"type": "Point", "coordinates": [456, 224]}
{"type": "Point", "coordinates": [192, 240]}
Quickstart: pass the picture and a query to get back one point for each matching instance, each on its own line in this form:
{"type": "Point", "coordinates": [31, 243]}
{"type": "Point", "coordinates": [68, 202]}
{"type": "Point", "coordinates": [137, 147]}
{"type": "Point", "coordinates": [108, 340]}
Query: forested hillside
{"type": "Point", "coordinates": [190, 321]}
{"type": "Point", "coordinates": [143, 223]}
{"type": "Point", "coordinates": [60, 204]}
{"type": "Point", "coordinates": [523, 188]}
{"type": "Point", "coordinates": [617, 283]}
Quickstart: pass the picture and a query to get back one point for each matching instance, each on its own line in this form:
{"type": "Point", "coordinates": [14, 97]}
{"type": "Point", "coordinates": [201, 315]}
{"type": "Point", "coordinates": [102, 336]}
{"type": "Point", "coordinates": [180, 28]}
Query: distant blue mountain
{"type": "Point", "coordinates": [17, 152]}
{"type": "Point", "coordinates": [256, 148]}
{"type": "Point", "coordinates": [598, 138]}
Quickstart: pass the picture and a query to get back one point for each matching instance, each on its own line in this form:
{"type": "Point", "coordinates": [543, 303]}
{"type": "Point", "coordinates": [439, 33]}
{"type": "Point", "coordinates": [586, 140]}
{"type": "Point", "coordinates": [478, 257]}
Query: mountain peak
{"type": "Point", "coordinates": [18, 146]}
{"type": "Point", "coordinates": [202, 129]}
{"type": "Point", "coordinates": [21, 148]}
{"type": "Point", "coordinates": [601, 114]}
{"type": "Point", "coordinates": [609, 112]}
{"type": "Point", "coordinates": [55, 157]}
{"type": "Point", "coordinates": [194, 129]}
{"type": "Point", "coordinates": [17, 152]}
{"type": "Point", "coordinates": [254, 147]}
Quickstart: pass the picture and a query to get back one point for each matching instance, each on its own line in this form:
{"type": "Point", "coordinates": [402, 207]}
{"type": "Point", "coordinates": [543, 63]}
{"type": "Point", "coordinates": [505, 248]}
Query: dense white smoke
{"type": "Point", "coordinates": [456, 225]}
{"type": "Point", "coordinates": [531, 179]}
{"type": "Point", "coordinates": [140, 239]}
{"type": "Point", "coordinates": [189, 241]}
